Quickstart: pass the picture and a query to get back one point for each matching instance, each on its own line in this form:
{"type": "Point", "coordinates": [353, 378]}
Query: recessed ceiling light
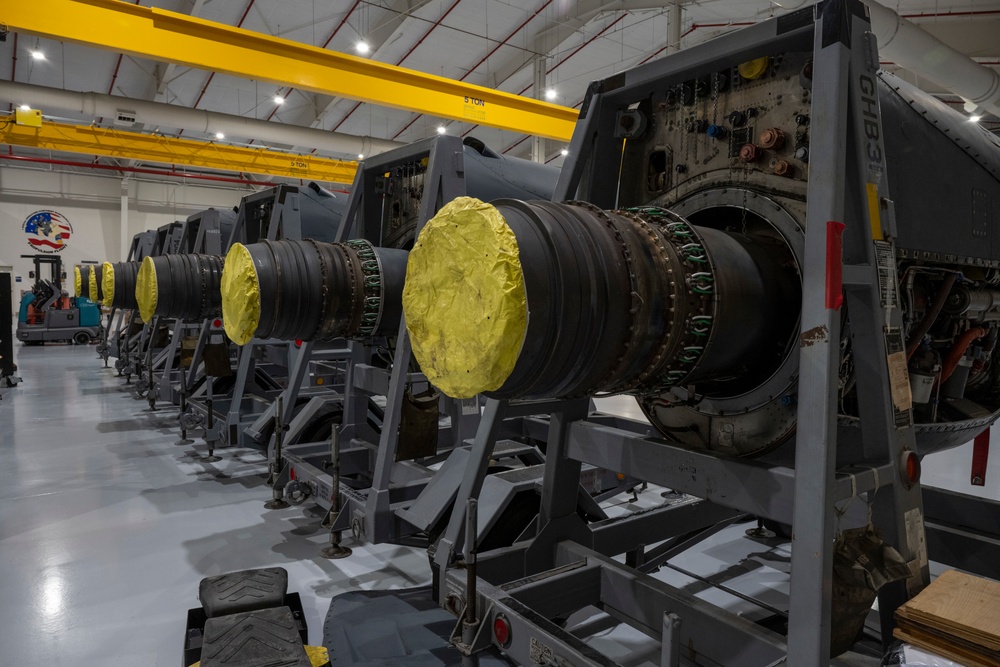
{"type": "Point", "coordinates": [564, 152]}
{"type": "Point", "coordinates": [362, 47]}
{"type": "Point", "coordinates": [442, 129]}
{"type": "Point", "coordinates": [550, 94]}
{"type": "Point", "coordinates": [278, 99]}
{"type": "Point", "coordinates": [220, 136]}
{"type": "Point", "coordinates": [37, 55]}
{"type": "Point", "coordinates": [25, 107]}
{"type": "Point", "coordinates": [975, 119]}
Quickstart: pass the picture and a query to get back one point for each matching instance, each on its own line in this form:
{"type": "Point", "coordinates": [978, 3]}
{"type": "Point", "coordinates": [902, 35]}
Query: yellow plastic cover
{"type": "Point", "coordinates": [319, 656]}
{"type": "Point", "coordinates": [754, 69]}
{"type": "Point", "coordinates": [145, 289]}
{"type": "Point", "coordinates": [108, 283]}
{"type": "Point", "coordinates": [93, 284]}
{"type": "Point", "coordinates": [77, 281]}
{"type": "Point", "coordinates": [464, 300]}
{"type": "Point", "coordinates": [240, 295]}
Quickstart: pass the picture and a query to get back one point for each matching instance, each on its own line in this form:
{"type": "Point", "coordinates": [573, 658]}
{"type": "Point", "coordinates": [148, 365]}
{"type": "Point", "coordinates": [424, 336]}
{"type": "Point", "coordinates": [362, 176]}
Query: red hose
{"type": "Point", "coordinates": [958, 350]}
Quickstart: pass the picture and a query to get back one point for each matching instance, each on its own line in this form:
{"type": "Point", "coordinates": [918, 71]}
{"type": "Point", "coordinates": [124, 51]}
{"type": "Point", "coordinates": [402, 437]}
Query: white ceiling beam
{"type": "Point", "coordinates": [166, 74]}
{"type": "Point", "coordinates": [394, 15]}
{"type": "Point", "coordinates": [562, 25]}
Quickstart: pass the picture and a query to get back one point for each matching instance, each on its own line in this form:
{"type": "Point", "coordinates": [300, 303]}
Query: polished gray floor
{"type": "Point", "coordinates": [107, 526]}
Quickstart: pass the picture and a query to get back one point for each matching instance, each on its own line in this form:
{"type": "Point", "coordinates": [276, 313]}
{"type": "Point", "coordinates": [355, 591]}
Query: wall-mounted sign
{"type": "Point", "coordinates": [47, 231]}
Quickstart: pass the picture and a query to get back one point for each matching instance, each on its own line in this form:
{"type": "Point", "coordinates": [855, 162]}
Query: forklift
{"type": "Point", "coordinates": [48, 313]}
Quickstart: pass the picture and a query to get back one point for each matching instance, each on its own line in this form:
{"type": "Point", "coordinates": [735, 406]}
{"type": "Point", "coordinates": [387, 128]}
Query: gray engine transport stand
{"type": "Point", "coordinates": [202, 234]}
{"type": "Point", "coordinates": [846, 107]}
{"type": "Point", "coordinates": [562, 569]}
{"type": "Point", "coordinates": [373, 514]}
{"type": "Point", "coordinates": [121, 345]}
{"type": "Point", "coordinates": [131, 363]}
{"type": "Point", "coordinates": [285, 223]}
{"type": "Point", "coordinates": [146, 362]}
{"type": "Point", "coordinates": [141, 245]}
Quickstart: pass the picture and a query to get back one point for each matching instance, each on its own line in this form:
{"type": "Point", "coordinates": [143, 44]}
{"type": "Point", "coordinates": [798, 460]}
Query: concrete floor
{"type": "Point", "coordinates": [107, 525]}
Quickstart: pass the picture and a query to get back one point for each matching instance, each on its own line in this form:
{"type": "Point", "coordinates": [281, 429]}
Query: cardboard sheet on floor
{"type": "Point", "coordinates": [957, 616]}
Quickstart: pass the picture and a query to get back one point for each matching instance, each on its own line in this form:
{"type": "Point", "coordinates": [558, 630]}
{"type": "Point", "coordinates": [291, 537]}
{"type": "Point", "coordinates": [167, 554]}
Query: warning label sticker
{"type": "Point", "coordinates": [886, 265]}
{"type": "Point", "coordinates": [474, 108]}
{"type": "Point", "coordinates": [899, 378]}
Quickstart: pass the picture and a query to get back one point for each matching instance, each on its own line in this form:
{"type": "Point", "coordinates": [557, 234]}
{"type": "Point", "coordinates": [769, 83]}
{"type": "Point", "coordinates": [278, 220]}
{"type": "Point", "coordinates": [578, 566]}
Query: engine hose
{"type": "Point", "coordinates": [925, 324]}
{"type": "Point", "coordinates": [958, 350]}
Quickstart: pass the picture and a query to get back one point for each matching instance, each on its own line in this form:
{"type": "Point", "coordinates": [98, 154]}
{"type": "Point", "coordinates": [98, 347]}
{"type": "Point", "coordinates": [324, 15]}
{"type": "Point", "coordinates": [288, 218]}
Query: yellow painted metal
{"type": "Point", "coordinates": [178, 38]}
{"type": "Point", "coordinates": [874, 217]}
{"type": "Point", "coordinates": [28, 117]}
{"type": "Point", "coordinates": [153, 148]}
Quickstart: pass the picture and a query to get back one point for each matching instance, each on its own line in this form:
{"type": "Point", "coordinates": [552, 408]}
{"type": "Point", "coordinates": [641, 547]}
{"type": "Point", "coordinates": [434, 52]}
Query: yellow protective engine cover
{"type": "Point", "coordinates": [146, 290]}
{"type": "Point", "coordinates": [92, 292]}
{"type": "Point", "coordinates": [240, 290]}
{"type": "Point", "coordinates": [108, 283]}
{"type": "Point", "coordinates": [77, 281]}
{"type": "Point", "coordinates": [464, 301]}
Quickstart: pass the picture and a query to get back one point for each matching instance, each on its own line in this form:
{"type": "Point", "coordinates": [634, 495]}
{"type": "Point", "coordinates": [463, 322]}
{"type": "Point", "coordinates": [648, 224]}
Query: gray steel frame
{"type": "Point", "coordinates": [236, 414]}
{"type": "Point", "coordinates": [173, 380]}
{"type": "Point", "coordinates": [139, 358]}
{"type": "Point", "coordinates": [149, 358]}
{"type": "Point", "coordinates": [372, 513]}
{"type": "Point", "coordinates": [142, 245]}
{"type": "Point", "coordinates": [963, 531]}
{"type": "Point", "coordinates": [843, 162]}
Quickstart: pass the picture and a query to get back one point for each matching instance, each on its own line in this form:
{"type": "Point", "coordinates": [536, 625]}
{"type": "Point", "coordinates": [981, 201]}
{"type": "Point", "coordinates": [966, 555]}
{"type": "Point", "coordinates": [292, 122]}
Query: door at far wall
{"type": "Point", "coordinates": [14, 302]}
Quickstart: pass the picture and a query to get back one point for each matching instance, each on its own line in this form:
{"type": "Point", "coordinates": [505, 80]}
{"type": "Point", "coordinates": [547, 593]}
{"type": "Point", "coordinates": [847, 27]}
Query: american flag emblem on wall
{"type": "Point", "coordinates": [47, 231]}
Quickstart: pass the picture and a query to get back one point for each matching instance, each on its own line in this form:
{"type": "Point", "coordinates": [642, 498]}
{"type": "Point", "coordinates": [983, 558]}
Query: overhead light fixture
{"type": "Point", "coordinates": [220, 136]}
{"type": "Point", "coordinates": [278, 99]}
{"type": "Point", "coordinates": [975, 119]}
{"type": "Point", "coordinates": [550, 94]}
{"type": "Point", "coordinates": [442, 129]}
{"type": "Point", "coordinates": [362, 47]}
{"type": "Point", "coordinates": [37, 55]}
{"type": "Point", "coordinates": [25, 107]}
{"type": "Point", "coordinates": [564, 152]}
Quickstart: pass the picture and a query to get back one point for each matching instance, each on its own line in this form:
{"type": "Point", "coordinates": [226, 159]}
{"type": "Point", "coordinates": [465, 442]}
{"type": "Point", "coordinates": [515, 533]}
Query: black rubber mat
{"type": "Point", "coordinates": [402, 628]}
{"type": "Point", "coordinates": [241, 591]}
{"type": "Point", "coordinates": [262, 638]}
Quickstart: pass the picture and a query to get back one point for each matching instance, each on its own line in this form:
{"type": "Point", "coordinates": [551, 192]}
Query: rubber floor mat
{"type": "Point", "coordinates": [402, 628]}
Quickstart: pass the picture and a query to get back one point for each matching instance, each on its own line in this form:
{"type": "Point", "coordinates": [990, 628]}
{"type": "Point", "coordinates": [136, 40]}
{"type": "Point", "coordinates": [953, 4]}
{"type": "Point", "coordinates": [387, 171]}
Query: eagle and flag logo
{"type": "Point", "coordinates": [47, 231]}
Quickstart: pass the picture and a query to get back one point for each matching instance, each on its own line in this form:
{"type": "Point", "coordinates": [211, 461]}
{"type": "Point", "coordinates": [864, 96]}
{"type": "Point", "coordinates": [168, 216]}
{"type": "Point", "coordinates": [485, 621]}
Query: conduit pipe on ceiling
{"type": "Point", "coordinates": [153, 114]}
{"type": "Point", "coordinates": [910, 46]}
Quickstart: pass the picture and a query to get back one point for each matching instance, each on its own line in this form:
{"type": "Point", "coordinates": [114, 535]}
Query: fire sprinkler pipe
{"type": "Point", "coordinates": [547, 72]}
{"type": "Point", "coordinates": [135, 170]}
{"type": "Point", "coordinates": [329, 39]}
{"type": "Point", "coordinates": [212, 74]}
{"type": "Point", "coordinates": [154, 114]}
{"type": "Point", "coordinates": [405, 56]}
{"type": "Point", "coordinates": [472, 69]}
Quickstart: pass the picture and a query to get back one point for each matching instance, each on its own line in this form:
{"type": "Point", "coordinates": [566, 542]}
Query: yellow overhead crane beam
{"type": "Point", "coordinates": [154, 148]}
{"type": "Point", "coordinates": [153, 33]}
